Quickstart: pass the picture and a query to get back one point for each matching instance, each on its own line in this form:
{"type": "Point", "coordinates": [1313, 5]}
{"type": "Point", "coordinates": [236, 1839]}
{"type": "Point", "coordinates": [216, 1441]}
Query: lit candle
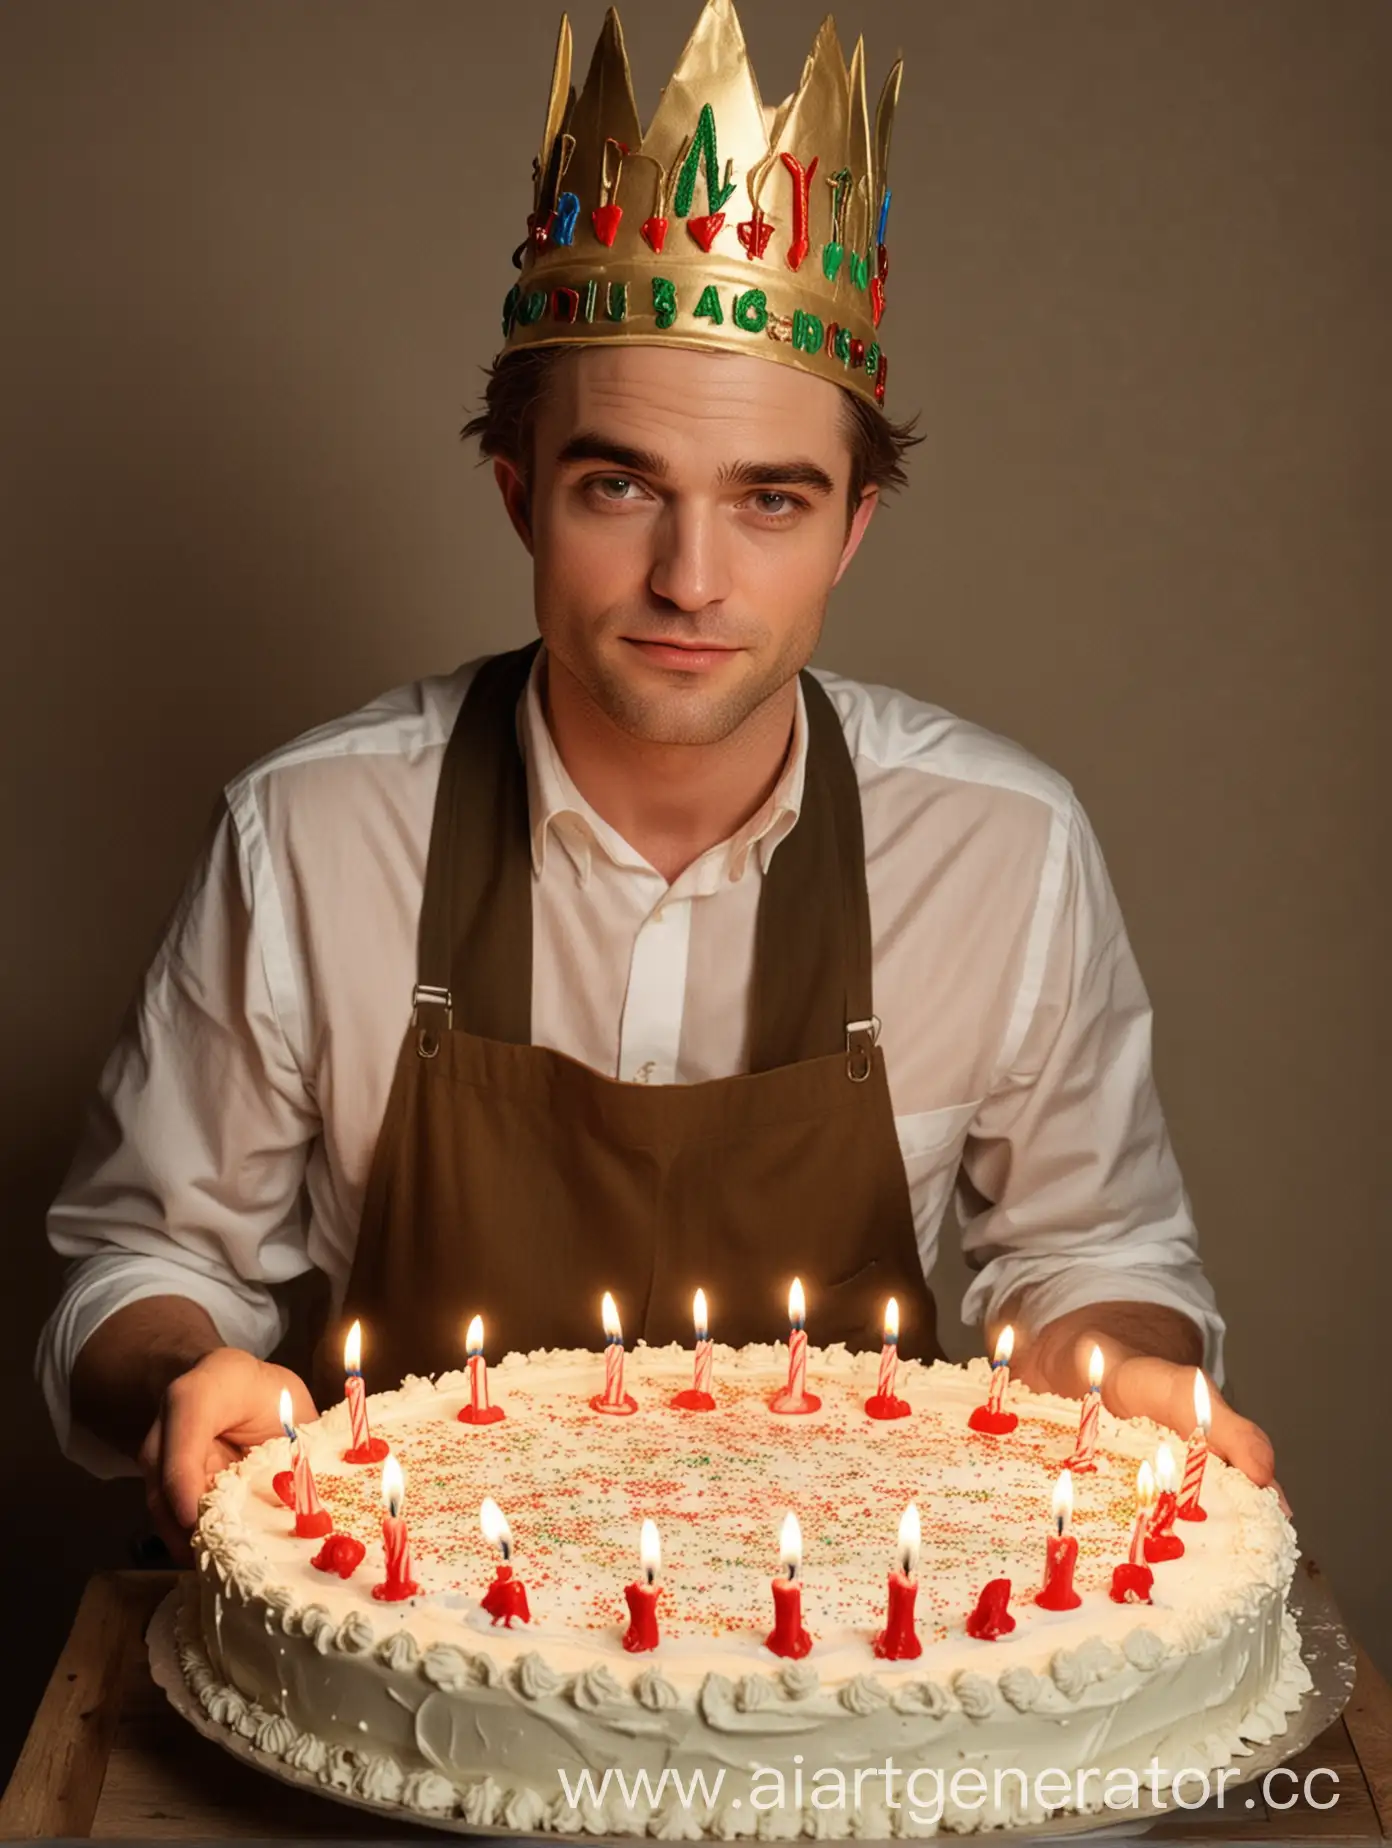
{"type": "Point", "coordinates": [1084, 1457]}
{"type": "Point", "coordinates": [479, 1410]}
{"type": "Point", "coordinates": [1133, 1580]}
{"type": "Point", "coordinates": [643, 1594]}
{"type": "Point", "coordinates": [1196, 1456]}
{"type": "Point", "coordinates": [697, 1397]}
{"type": "Point", "coordinates": [506, 1597]}
{"type": "Point", "coordinates": [795, 1397]}
{"type": "Point", "coordinates": [898, 1641]}
{"type": "Point", "coordinates": [396, 1542]}
{"type": "Point", "coordinates": [363, 1446]}
{"type": "Point", "coordinates": [312, 1520]}
{"type": "Point", "coordinates": [991, 1619]}
{"type": "Point", "coordinates": [990, 1417]}
{"type": "Point", "coordinates": [788, 1637]}
{"type": "Point", "coordinates": [1060, 1554]}
{"type": "Point", "coordinates": [613, 1399]}
{"type": "Point", "coordinates": [1161, 1540]}
{"type": "Point", "coordinates": [882, 1402]}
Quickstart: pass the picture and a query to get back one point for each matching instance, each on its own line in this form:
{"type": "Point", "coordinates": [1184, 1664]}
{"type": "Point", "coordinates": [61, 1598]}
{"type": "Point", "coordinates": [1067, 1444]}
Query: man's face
{"type": "Point", "coordinates": [687, 519]}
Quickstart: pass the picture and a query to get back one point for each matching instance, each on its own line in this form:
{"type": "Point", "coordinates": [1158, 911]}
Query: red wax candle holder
{"type": "Point", "coordinates": [698, 1397]}
{"type": "Point", "coordinates": [788, 1637]}
{"type": "Point", "coordinates": [480, 1410]}
{"type": "Point", "coordinates": [1132, 1583]}
{"type": "Point", "coordinates": [340, 1553]}
{"type": "Point", "coordinates": [506, 1598]}
{"type": "Point", "coordinates": [991, 1619]}
{"type": "Point", "coordinates": [1060, 1559]}
{"type": "Point", "coordinates": [795, 1400]}
{"type": "Point", "coordinates": [899, 1640]}
{"type": "Point", "coordinates": [398, 1584]}
{"type": "Point", "coordinates": [363, 1447]}
{"type": "Point", "coordinates": [614, 1400]}
{"type": "Point", "coordinates": [1161, 1541]}
{"type": "Point", "coordinates": [641, 1634]}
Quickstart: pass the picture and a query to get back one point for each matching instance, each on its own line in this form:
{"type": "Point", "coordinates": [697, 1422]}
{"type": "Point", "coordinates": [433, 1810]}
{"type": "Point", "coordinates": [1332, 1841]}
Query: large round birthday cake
{"type": "Point", "coordinates": [739, 1686]}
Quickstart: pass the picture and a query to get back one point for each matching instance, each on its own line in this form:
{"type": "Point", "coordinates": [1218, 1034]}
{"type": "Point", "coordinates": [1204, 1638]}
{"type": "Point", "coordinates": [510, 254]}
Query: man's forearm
{"type": "Point", "coordinates": [123, 1368]}
{"type": "Point", "coordinates": [1055, 1358]}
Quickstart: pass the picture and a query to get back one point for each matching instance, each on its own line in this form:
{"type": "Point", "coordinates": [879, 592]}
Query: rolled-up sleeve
{"type": "Point", "coordinates": [188, 1177]}
{"type": "Point", "coordinates": [1070, 1192]}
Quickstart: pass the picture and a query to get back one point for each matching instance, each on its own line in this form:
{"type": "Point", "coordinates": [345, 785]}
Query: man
{"type": "Point", "coordinates": [642, 958]}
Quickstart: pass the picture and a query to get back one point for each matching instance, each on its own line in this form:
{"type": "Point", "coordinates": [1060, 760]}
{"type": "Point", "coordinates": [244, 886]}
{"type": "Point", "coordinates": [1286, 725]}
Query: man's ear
{"type": "Point", "coordinates": [860, 519]}
{"type": "Point", "coordinates": [515, 498]}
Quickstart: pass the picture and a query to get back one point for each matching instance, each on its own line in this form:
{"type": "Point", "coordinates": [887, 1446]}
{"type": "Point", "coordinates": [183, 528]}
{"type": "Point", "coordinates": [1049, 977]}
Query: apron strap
{"type": "Point", "coordinates": [812, 946]}
{"type": "Point", "coordinates": [475, 940]}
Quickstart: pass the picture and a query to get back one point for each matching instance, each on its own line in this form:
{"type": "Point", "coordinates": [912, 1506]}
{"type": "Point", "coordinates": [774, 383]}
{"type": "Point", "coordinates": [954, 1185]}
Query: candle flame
{"type": "Point", "coordinates": [650, 1551]}
{"type": "Point", "coordinates": [495, 1528]}
{"type": "Point", "coordinates": [1145, 1489]}
{"type": "Point", "coordinates": [1063, 1500]}
{"type": "Point", "coordinates": [1095, 1368]}
{"type": "Point", "coordinates": [1005, 1345]}
{"type": "Point", "coordinates": [891, 1327]}
{"type": "Point", "coordinates": [797, 1304]}
{"type": "Point", "coordinates": [610, 1315]}
{"type": "Point", "coordinates": [352, 1349]}
{"type": "Point", "coordinates": [790, 1545]}
{"type": "Point", "coordinates": [1203, 1408]}
{"type": "Point", "coordinates": [287, 1413]}
{"type": "Point", "coordinates": [1164, 1469]}
{"type": "Point", "coordinates": [910, 1539]}
{"type": "Point", "coordinates": [393, 1486]}
{"type": "Point", "coordinates": [473, 1338]}
{"type": "Point", "coordinates": [699, 1316]}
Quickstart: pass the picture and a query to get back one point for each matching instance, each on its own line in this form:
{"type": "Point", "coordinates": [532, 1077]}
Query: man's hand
{"type": "Point", "coordinates": [1150, 1354]}
{"type": "Point", "coordinates": [209, 1416]}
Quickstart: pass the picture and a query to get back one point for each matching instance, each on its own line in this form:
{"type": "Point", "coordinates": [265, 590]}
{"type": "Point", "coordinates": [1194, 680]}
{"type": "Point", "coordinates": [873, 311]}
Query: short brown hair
{"type": "Point", "coordinates": [517, 383]}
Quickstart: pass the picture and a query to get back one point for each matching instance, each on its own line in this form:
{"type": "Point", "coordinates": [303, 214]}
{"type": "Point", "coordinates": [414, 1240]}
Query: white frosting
{"type": "Point", "coordinates": [425, 1705]}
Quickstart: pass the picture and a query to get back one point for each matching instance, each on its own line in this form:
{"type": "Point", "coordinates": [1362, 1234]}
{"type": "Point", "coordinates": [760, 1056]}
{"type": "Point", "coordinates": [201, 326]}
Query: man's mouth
{"type": "Point", "coordinates": [690, 656]}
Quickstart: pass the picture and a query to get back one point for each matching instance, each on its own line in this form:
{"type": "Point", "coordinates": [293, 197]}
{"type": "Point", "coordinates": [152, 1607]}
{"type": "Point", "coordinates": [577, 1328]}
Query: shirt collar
{"type": "Point", "coordinates": [556, 806]}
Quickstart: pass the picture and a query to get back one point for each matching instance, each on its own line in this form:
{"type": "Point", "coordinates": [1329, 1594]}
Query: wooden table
{"type": "Point", "coordinates": [108, 1758]}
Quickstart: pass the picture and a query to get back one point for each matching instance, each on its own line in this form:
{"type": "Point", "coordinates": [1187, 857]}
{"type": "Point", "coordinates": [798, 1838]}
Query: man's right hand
{"type": "Point", "coordinates": [208, 1417]}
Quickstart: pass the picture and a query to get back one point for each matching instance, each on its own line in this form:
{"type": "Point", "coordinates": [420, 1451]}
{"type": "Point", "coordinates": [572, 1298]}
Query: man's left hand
{"type": "Point", "coordinates": [1144, 1387]}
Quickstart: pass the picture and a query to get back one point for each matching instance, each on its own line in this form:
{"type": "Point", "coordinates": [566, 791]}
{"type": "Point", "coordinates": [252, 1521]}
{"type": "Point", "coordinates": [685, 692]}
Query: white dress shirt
{"type": "Point", "coordinates": [229, 1143]}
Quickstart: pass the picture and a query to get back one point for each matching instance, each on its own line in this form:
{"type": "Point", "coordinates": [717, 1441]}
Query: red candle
{"type": "Point", "coordinates": [697, 1397]}
{"type": "Point", "coordinates": [991, 1619]}
{"type": "Point", "coordinates": [898, 1641]}
{"type": "Point", "coordinates": [795, 1398]}
{"type": "Point", "coordinates": [396, 1543]}
{"type": "Point", "coordinates": [641, 1634]}
{"type": "Point", "coordinates": [788, 1637]}
{"type": "Point", "coordinates": [1084, 1457]}
{"type": "Point", "coordinates": [613, 1400]}
{"type": "Point", "coordinates": [506, 1597]}
{"type": "Point", "coordinates": [363, 1446]}
{"type": "Point", "coordinates": [882, 1403]}
{"type": "Point", "coordinates": [479, 1410]}
{"type": "Point", "coordinates": [1196, 1456]}
{"type": "Point", "coordinates": [312, 1520]}
{"type": "Point", "coordinates": [991, 1418]}
{"type": "Point", "coordinates": [1161, 1541]}
{"type": "Point", "coordinates": [1133, 1581]}
{"type": "Point", "coordinates": [1061, 1554]}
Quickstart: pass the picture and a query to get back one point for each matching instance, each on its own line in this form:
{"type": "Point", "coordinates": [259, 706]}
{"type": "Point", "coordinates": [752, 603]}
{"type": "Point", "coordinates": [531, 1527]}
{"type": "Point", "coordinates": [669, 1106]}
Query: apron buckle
{"type": "Point", "coordinates": [424, 995]}
{"type": "Point", "coordinates": [862, 1037]}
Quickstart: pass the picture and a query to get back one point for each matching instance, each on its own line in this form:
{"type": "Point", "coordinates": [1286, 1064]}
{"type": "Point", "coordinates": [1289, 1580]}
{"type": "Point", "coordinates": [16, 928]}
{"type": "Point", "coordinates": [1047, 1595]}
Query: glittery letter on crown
{"type": "Point", "coordinates": [783, 208]}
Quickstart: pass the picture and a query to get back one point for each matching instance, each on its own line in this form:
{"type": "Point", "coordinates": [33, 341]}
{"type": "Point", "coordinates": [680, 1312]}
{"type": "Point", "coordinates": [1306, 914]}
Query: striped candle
{"type": "Point", "coordinates": [1196, 1455]}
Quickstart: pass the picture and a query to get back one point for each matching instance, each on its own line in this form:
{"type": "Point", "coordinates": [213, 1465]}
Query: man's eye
{"type": "Point", "coordinates": [775, 504]}
{"type": "Point", "coordinates": [612, 487]}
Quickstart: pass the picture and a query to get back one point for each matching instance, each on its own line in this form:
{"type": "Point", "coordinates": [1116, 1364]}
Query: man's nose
{"type": "Point", "coordinates": [691, 568]}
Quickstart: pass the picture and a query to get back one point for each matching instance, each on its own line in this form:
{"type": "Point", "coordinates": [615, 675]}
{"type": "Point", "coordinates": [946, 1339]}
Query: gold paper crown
{"type": "Point", "coordinates": [729, 226]}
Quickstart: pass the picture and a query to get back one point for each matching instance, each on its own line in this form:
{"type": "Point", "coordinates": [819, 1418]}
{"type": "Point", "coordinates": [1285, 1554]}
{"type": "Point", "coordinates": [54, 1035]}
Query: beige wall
{"type": "Point", "coordinates": [1140, 291]}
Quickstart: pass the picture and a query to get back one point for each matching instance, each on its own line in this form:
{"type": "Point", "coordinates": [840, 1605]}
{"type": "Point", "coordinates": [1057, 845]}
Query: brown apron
{"type": "Point", "coordinates": [513, 1181]}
